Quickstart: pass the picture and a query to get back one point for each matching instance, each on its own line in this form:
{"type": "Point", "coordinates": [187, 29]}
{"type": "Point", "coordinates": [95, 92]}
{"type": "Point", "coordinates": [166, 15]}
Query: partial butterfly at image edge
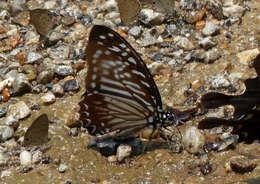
{"type": "Point", "coordinates": [121, 94]}
{"type": "Point", "coordinates": [37, 133]}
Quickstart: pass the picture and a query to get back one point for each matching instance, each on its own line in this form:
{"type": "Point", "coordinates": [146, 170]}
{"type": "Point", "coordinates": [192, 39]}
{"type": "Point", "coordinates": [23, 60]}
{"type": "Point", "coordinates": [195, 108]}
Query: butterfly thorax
{"type": "Point", "coordinates": [162, 119]}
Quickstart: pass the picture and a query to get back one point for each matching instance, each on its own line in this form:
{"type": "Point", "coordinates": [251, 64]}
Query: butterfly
{"type": "Point", "coordinates": [37, 133]}
{"type": "Point", "coordinates": [121, 95]}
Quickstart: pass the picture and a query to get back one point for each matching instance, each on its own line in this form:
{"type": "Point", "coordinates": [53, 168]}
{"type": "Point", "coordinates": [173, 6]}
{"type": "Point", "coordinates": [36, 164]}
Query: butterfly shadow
{"type": "Point", "coordinates": [108, 146]}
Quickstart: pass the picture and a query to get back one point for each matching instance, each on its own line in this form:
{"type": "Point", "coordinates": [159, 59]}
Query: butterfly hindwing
{"type": "Point", "coordinates": [120, 91]}
{"type": "Point", "coordinates": [37, 133]}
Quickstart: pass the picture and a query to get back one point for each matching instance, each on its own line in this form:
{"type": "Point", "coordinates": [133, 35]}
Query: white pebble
{"type": "Point", "coordinates": [48, 98]}
{"type": "Point", "coordinates": [193, 140]}
{"type": "Point", "coordinates": [123, 151]}
{"type": "Point", "coordinates": [26, 158]}
{"type": "Point", "coordinates": [62, 168]}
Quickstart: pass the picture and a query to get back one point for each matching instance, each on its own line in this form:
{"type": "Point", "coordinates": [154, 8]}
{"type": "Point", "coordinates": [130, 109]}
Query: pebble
{"type": "Point", "coordinates": [210, 29]}
{"type": "Point", "coordinates": [48, 98]}
{"type": "Point", "coordinates": [45, 77]}
{"type": "Point", "coordinates": [4, 159]}
{"type": "Point", "coordinates": [6, 173]}
{"type": "Point", "coordinates": [215, 7]}
{"type": "Point", "coordinates": [193, 140]}
{"type": "Point", "coordinates": [150, 17]}
{"type": "Point", "coordinates": [3, 111]}
{"type": "Point", "coordinates": [5, 83]}
{"type": "Point", "coordinates": [71, 85]}
{"type": "Point", "coordinates": [184, 43]}
{"type": "Point", "coordinates": [36, 157]}
{"type": "Point", "coordinates": [20, 110]}
{"type": "Point", "coordinates": [79, 31]}
{"type": "Point", "coordinates": [149, 39]}
{"type": "Point", "coordinates": [51, 4]}
{"type": "Point", "coordinates": [20, 85]}
{"type": "Point", "coordinates": [233, 11]}
{"type": "Point", "coordinates": [6, 132]}
{"type": "Point", "coordinates": [62, 168]}
{"type": "Point", "coordinates": [33, 57]}
{"type": "Point", "coordinates": [26, 158]}
{"type": "Point", "coordinates": [112, 158]}
{"type": "Point", "coordinates": [55, 36]}
{"type": "Point", "coordinates": [31, 38]}
{"type": "Point", "coordinates": [64, 70]}
{"type": "Point", "coordinates": [58, 90]}
{"type": "Point", "coordinates": [123, 151]}
{"type": "Point", "coordinates": [247, 56]}
{"type": "Point", "coordinates": [211, 55]}
{"type": "Point", "coordinates": [219, 81]}
{"type": "Point", "coordinates": [61, 52]}
{"type": "Point", "coordinates": [10, 121]}
{"type": "Point", "coordinates": [11, 76]}
{"type": "Point", "coordinates": [240, 164]}
{"type": "Point", "coordinates": [135, 31]}
{"type": "Point", "coordinates": [207, 43]}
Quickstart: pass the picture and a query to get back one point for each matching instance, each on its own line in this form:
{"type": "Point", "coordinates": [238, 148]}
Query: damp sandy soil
{"type": "Point", "coordinates": [156, 165]}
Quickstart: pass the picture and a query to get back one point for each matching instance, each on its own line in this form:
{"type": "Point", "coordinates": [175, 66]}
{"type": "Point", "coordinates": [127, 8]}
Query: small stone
{"type": "Point", "coordinates": [64, 70]}
{"type": "Point", "coordinates": [4, 159]}
{"type": "Point", "coordinates": [10, 121]}
{"type": "Point", "coordinates": [211, 55]}
{"type": "Point", "coordinates": [123, 151]}
{"type": "Point", "coordinates": [215, 8]}
{"type": "Point", "coordinates": [55, 36]}
{"type": "Point", "coordinates": [33, 57]}
{"type": "Point", "coordinates": [20, 110]}
{"type": "Point", "coordinates": [11, 76]}
{"type": "Point", "coordinates": [219, 81]}
{"type": "Point", "coordinates": [58, 90]}
{"type": "Point", "coordinates": [135, 31]}
{"type": "Point", "coordinates": [247, 56]}
{"type": "Point", "coordinates": [20, 85]}
{"type": "Point", "coordinates": [71, 85]}
{"type": "Point", "coordinates": [150, 17]}
{"type": "Point", "coordinates": [26, 158]}
{"type": "Point", "coordinates": [184, 43]}
{"type": "Point", "coordinates": [80, 31]}
{"type": "Point", "coordinates": [210, 29]}
{"type": "Point", "coordinates": [45, 77]}
{"type": "Point", "coordinates": [234, 11]}
{"type": "Point", "coordinates": [6, 83]}
{"type": "Point", "coordinates": [112, 158]}
{"type": "Point", "coordinates": [62, 168]}
{"type": "Point", "coordinates": [51, 4]}
{"type": "Point", "coordinates": [48, 98]}
{"type": "Point", "coordinates": [6, 132]}
{"type": "Point", "coordinates": [6, 173]}
{"type": "Point", "coordinates": [196, 84]}
{"type": "Point", "coordinates": [207, 43]}
{"type": "Point", "coordinates": [61, 52]}
{"type": "Point", "coordinates": [37, 157]}
{"type": "Point", "coordinates": [3, 111]}
{"type": "Point", "coordinates": [149, 39]}
{"type": "Point", "coordinates": [193, 140]}
{"type": "Point", "coordinates": [31, 38]}
{"type": "Point", "coordinates": [241, 164]}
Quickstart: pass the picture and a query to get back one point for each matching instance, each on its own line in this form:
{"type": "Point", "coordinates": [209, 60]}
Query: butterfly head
{"type": "Point", "coordinates": [169, 119]}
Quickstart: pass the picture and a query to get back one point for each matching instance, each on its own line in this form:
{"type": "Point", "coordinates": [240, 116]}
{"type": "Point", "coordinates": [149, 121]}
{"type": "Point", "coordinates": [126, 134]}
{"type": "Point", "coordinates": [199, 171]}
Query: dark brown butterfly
{"type": "Point", "coordinates": [121, 94]}
{"type": "Point", "coordinates": [42, 21]}
{"type": "Point", "coordinates": [37, 133]}
{"type": "Point", "coordinates": [128, 9]}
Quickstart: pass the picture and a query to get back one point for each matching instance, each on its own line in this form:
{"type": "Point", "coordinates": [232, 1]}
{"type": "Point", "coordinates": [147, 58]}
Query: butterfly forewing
{"type": "Point", "coordinates": [120, 92]}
